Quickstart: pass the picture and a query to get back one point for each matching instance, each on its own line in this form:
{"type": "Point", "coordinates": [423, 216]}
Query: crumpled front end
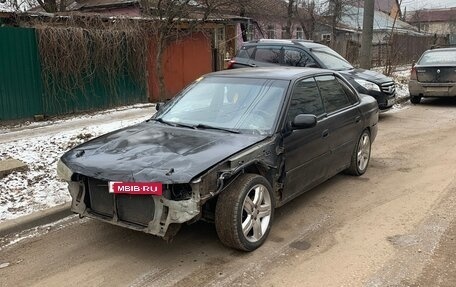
{"type": "Point", "coordinates": [157, 215]}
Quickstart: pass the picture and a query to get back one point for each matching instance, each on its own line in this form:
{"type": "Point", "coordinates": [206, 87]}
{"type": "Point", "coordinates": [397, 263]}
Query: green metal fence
{"type": "Point", "coordinates": [20, 78]}
{"type": "Point", "coordinates": [22, 92]}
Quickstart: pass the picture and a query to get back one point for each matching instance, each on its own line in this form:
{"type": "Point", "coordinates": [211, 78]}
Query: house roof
{"type": "Point", "coordinates": [89, 4]}
{"type": "Point", "coordinates": [433, 15]}
{"type": "Point", "coordinates": [353, 18]}
{"type": "Point", "coordinates": [125, 8]}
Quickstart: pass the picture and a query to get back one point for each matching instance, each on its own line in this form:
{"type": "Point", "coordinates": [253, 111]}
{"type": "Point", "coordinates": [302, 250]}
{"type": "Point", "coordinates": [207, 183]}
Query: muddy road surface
{"type": "Point", "coordinates": [394, 226]}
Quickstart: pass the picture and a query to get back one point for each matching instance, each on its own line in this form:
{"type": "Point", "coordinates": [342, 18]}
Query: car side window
{"type": "Point", "coordinates": [296, 58]}
{"type": "Point", "coordinates": [246, 52]}
{"type": "Point", "coordinates": [352, 95]}
{"type": "Point", "coordinates": [305, 99]}
{"type": "Point", "coordinates": [334, 96]}
{"type": "Point", "coordinates": [268, 54]}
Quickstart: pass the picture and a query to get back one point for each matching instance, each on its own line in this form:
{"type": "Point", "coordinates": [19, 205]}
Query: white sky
{"type": "Point", "coordinates": [427, 4]}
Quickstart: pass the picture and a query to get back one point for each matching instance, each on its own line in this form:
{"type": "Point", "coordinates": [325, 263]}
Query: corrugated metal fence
{"type": "Point", "coordinates": [20, 78]}
{"type": "Point", "coordinates": [21, 88]}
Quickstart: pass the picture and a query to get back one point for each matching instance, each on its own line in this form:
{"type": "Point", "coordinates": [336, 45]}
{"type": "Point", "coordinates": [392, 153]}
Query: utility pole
{"type": "Point", "coordinates": [368, 30]}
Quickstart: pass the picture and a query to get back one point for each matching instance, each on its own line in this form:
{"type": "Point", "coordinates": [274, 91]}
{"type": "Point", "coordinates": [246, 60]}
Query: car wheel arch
{"type": "Point", "coordinates": [256, 167]}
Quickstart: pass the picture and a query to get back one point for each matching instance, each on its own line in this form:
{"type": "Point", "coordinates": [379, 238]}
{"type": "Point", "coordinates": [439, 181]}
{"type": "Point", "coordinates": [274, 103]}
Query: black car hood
{"type": "Point", "coordinates": [151, 151]}
{"type": "Point", "coordinates": [368, 75]}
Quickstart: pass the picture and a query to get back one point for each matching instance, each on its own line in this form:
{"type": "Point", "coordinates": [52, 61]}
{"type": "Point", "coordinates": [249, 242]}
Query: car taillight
{"type": "Point", "coordinates": [413, 74]}
{"type": "Point", "coordinates": [230, 64]}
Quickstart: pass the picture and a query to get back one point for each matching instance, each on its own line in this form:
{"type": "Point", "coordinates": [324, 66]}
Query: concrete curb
{"type": "Point", "coordinates": [35, 219]}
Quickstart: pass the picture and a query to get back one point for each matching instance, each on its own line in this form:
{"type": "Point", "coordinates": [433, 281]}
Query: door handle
{"type": "Point", "coordinates": [325, 133]}
{"type": "Point", "coordinates": [358, 119]}
{"type": "Point", "coordinates": [253, 65]}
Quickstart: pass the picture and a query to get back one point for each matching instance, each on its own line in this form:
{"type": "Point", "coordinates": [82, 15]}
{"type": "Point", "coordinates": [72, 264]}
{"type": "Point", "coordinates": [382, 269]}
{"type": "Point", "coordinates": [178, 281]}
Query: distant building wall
{"type": "Point", "coordinates": [440, 28]}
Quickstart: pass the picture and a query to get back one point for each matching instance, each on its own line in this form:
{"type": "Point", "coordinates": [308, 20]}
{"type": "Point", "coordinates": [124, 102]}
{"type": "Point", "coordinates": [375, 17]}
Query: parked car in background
{"type": "Point", "coordinates": [434, 75]}
{"type": "Point", "coordinates": [303, 53]}
{"type": "Point", "coordinates": [228, 149]}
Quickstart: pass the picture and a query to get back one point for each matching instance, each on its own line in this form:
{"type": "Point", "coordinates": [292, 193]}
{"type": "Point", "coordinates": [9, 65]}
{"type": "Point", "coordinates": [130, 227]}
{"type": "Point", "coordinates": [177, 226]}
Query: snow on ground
{"type": "Point", "coordinates": [402, 77]}
{"type": "Point", "coordinates": [22, 193]}
{"type": "Point", "coordinates": [38, 188]}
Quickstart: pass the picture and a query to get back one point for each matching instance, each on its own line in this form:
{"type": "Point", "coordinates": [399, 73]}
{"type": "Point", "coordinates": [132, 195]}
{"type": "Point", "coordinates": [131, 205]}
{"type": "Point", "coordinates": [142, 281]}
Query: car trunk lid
{"type": "Point", "coordinates": [436, 74]}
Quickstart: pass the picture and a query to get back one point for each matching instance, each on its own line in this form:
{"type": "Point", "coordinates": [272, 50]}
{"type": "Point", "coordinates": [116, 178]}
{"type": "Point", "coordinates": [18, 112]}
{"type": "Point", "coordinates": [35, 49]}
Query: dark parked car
{"type": "Point", "coordinates": [228, 149]}
{"type": "Point", "coordinates": [301, 53]}
{"type": "Point", "coordinates": [434, 75]}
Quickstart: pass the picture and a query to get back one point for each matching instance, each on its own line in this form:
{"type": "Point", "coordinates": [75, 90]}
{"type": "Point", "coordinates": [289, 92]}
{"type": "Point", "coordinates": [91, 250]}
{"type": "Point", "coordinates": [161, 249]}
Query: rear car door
{"type": "Point", "coordinates": [306, 151]}
{"type": "Point", "coordinates": [344, 120]}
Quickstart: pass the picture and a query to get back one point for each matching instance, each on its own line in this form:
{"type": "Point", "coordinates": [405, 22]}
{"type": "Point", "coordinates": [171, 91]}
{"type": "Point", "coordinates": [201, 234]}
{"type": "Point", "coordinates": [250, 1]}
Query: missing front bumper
{"type": "Point", "coordinates": [146, 213]}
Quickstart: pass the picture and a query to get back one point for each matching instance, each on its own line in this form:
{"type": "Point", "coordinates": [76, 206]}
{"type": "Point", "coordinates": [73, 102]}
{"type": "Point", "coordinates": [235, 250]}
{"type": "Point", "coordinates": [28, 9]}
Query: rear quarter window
{"type": "Point", "coordinates": [351, 94]}
{"type": "Point", "coordinates": [334, 96]}
{"type": "Point", "coordinates": [246, 52]}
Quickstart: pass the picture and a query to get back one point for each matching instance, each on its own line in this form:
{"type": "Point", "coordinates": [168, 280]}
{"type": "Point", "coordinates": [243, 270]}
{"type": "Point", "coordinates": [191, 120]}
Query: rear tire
{"type": "Point", "coordinates": [244, 212]}
{"type": "Point", "coordinates": [415, 99]}
{"type": "Point", "coordinates": [361, 155]}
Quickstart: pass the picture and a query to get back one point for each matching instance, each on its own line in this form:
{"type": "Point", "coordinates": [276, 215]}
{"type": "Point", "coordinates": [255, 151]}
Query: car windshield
{"type": "Point", "coordinates": [438, 57]}
{"type": "Point", "coordinates": [331, 59]}
{"type": "Point", "coordinates": [233, 104]}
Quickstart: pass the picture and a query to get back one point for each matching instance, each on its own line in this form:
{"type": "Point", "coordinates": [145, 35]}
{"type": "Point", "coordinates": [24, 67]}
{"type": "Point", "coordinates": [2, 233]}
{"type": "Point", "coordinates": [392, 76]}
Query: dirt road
{"type": "Point", "coordinates": [395, 226]}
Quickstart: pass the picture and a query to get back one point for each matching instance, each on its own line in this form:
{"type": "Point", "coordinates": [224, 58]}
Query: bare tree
{"type": "Point", "coordinates": [307, 14]}
{"type": "Point", "coordinates": [335, 10]}
{"type": "Point", "coordinates": [174, 19]}
{"type": "Point", "coordinates": [260, 10]}
{"type": "Point", "coordinates": [290, 15]}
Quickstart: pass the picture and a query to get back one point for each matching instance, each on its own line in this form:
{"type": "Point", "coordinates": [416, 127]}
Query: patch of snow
{"type": "Point", "coordinates": [6, 7]}
{"type": "Point", "coordinates": [98, 115]}
{"type": "Point", "coordinates": [402, 78]}
{"type": "Point", "coordinates": [39, 188]}
{"type": "Point", "coordinates": [17, 5]}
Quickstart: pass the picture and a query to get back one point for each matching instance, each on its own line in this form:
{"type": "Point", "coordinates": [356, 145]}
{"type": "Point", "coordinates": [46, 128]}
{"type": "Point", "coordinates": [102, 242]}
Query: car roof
{"type": "Point", "coordinates": [441, 49]}
{"type": "Point", "coordinates": [306, 43]}
{"type": "Point", "coordinates": [276, 73]}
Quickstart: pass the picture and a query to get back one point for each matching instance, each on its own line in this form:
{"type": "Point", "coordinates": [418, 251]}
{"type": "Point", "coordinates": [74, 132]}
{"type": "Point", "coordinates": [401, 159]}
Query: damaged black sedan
{"type": "Point", "coordinates": [229, 149]}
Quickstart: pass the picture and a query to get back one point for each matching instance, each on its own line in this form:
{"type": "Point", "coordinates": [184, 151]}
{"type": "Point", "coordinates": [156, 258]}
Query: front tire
{"type": "Point", "coordinates": [244, 212]}
{"type": "Point", "coordinates": [415, 99]}
{"type": "Point", "coordinates": [361, 155]}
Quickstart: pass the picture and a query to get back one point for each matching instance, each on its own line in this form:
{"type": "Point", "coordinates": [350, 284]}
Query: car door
{"type": "Point", "coordinates": [297, 58]}
{"type": "Point", "coordinates": [344, 120]}
{"type": "Point", "coordinates": [306, 151]}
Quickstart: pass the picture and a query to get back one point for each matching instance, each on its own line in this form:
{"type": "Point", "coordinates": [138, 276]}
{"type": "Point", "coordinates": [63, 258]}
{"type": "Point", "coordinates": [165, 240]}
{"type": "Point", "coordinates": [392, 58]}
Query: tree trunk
{"type": "Point", "coordinates": [244, 27]}
{"type": "Point", "coordinates": [159, 67]}
{"type": "Point", "coordinates": [289, 18]}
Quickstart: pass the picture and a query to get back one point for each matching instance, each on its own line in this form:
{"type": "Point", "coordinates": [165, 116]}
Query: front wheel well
{"type": "Point", "coordinates": [208, 208]}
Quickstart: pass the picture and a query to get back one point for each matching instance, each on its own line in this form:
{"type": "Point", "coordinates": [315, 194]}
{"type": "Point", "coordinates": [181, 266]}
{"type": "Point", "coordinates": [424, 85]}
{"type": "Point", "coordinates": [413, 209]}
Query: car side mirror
{"type": "Point", "coordinates": [304, 121]}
